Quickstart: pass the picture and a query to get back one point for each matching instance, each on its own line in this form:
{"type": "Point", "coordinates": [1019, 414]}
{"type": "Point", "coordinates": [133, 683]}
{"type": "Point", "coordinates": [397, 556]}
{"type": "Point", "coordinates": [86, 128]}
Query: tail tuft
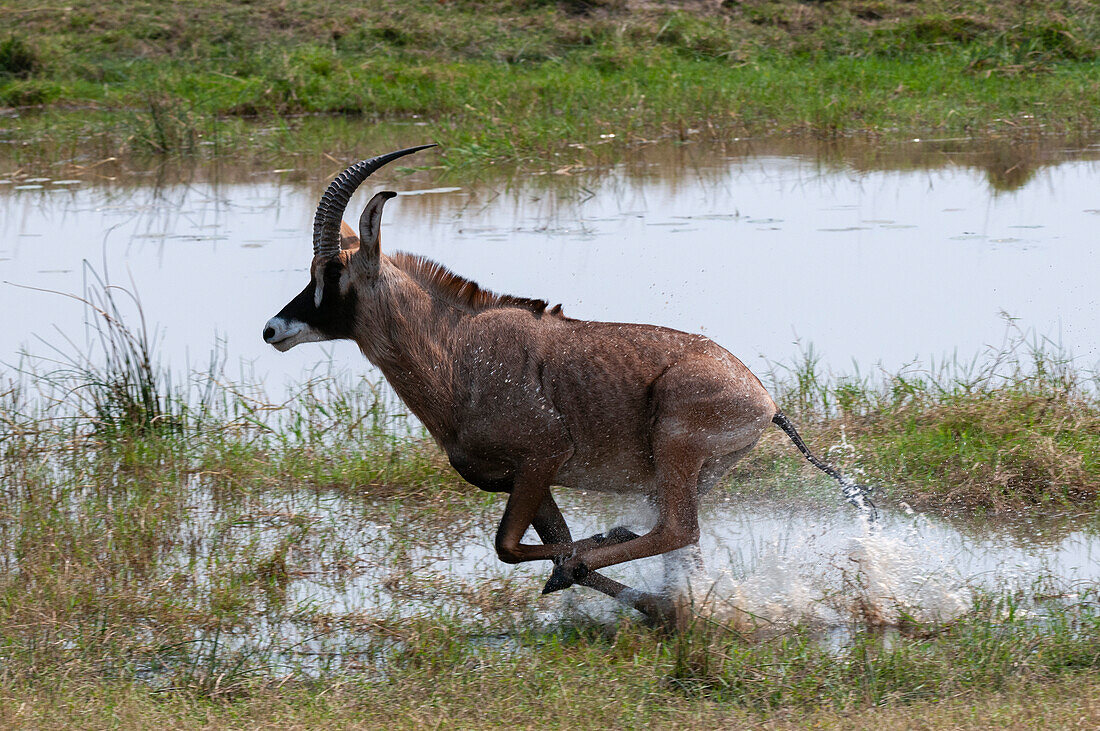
{"type": "Point", "coordinates": [855, 494]}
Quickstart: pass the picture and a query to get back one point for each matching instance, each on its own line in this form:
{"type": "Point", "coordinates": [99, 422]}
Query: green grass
{"type": "Point", "coordinates": [538, 82]}
{"type": "Point", "coordinates": [576, 702]}
{"type": "Point", "coordinates": [632, 676]}
{"type": "Point", "coordinates": [1015, 427]}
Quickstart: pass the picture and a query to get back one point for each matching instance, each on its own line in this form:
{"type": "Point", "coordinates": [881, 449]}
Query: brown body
{"type": "Point", "coordinates": [522, 398]}
{"type": "Point", "coordinates": [593, 404]}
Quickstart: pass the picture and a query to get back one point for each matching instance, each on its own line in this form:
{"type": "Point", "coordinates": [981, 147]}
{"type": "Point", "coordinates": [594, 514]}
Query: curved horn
{"type": "Point", "coordinates": [330, 211]}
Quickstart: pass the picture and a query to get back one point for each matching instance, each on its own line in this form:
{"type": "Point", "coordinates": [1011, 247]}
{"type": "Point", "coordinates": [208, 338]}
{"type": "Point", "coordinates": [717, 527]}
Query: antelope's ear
{"type": "Point", "coordinates": [348, 239]}
{"type": "Point", "coordinates": [370, 224]}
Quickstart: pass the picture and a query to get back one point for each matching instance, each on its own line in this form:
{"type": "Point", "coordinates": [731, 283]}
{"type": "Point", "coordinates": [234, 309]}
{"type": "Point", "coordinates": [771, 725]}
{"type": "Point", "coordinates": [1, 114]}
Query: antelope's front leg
{"type": "Point", "coordinates": [550, 524]}
{"type": "Point", "coordinates": [529, 494]}
{"type": "Point", "coordinates": [552, 529]}
{"type": "Point", "coordinates": [530, 488]}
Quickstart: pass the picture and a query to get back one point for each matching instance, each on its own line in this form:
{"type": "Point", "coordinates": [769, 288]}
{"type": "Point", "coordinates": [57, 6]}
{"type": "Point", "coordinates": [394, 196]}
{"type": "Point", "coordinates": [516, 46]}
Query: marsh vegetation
{"type": "Point", "coordinates": [179, 537]}
{"type": "Point", "coordinates": [540, 83]}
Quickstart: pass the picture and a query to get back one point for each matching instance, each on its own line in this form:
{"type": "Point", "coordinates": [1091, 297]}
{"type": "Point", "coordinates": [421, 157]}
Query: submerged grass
{"type": "Point", "coordinates": [539, 81]}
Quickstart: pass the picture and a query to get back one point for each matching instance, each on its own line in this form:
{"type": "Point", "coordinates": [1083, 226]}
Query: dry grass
{"type": "Point", "coordinates": [489, 703]}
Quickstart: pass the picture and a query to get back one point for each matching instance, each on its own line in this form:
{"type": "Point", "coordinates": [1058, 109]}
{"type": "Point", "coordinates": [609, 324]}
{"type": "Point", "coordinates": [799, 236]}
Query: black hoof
{"type": "Point", "coordinates": [564, 576]}
{"type": "Point", "coordinates": [621, 535]}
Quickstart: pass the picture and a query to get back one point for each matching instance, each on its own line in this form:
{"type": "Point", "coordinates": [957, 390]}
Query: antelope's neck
{"type": "Point", "coordinates": [409, 338]}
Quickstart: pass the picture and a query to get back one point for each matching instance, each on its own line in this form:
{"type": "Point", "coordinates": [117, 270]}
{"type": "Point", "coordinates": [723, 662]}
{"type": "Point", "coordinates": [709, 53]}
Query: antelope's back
{"type": "Point", "coordinates": [545, 386]}
{"type": "Point", "coordinates": [614, 384]}
{"type": "Point", "coordinates": [605, 373]}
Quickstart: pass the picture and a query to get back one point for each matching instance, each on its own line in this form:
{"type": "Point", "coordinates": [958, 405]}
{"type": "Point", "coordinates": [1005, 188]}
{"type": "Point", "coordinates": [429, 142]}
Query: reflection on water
{"type": "Point", "coordinates": [877, 254]}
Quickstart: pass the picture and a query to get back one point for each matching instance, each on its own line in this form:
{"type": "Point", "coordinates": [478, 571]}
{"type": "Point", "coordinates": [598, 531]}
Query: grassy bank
{"type": "Point", "coordinates": [538, 81]}
{"type": "Point", "coordinates": [628, 681]}
{"type": "Point", "coordinates": [1016, 426]}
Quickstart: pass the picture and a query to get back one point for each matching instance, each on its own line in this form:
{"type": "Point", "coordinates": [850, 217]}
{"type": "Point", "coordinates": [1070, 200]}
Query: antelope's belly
{"type": "Point", "coordinates": [624, 475]}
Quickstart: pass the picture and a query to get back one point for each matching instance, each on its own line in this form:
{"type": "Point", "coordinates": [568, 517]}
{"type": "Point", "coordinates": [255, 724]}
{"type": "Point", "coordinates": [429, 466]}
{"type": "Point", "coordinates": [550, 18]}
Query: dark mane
{"type": "Point", "coordinates": [463, 293]}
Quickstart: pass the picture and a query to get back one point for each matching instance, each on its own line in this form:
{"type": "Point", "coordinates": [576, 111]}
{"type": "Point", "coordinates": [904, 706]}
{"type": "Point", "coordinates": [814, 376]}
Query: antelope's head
{"type": "Point", "coordinates": [342, 263]}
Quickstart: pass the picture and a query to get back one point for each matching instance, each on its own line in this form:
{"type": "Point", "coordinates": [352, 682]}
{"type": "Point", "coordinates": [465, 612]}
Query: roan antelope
{"type": "Point", "coordinates": [522, 397]}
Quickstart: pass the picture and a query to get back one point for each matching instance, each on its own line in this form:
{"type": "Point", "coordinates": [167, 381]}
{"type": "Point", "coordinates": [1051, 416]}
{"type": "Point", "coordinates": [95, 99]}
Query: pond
{"type": "Point", "coordinates": [873, 255]}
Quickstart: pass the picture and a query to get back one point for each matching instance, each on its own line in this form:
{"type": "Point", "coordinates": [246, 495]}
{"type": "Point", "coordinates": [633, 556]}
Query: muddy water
{"type": "Point", "coordinates": [877, 255]}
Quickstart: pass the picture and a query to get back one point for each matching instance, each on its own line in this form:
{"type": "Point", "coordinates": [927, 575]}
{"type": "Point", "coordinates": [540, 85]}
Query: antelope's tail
{"type": "Point", "coordinates": [855, 494]}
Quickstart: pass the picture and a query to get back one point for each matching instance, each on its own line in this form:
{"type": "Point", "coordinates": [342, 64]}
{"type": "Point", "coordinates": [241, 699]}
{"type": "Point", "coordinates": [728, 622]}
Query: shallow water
{"type": "Point", "coordinates": [877, 258]}
{"type": "Point", "coordinates": [768, 564]}
{"type": "Point", "coordinates": [756, 547]}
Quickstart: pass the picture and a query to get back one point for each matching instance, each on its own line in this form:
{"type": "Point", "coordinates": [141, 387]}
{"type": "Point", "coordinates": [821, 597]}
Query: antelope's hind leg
{"type": "Point", "coordinates": [677, 523]}
{"type": "Point", "coordinates": [530, 492]}
{"type": "Point", "coordinates": [706, 417]}
{"type": "Point", "coordinates": [550, 524]}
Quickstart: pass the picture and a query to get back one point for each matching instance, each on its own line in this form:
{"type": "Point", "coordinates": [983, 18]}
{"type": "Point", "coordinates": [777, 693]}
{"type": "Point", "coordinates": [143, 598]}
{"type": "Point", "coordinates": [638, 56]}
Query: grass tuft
{"type": "Point", "coordinates": [1018, 425]}
{"type": "Point", "coordinates": [18, 58]}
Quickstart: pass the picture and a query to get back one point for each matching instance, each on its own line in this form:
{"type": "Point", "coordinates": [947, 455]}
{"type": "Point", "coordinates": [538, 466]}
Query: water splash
{"type": "Point", "coordinates": [854, 494]}
{"type": "Point", "coordinates": [897, 580]}
{"type": "Point", "coordinates": [858, 496]}
{"type": "Point", "coordinates": [812, 579]}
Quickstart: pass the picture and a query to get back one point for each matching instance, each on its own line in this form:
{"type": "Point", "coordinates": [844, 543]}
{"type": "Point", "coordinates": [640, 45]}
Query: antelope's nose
{"type": "Point", "coordinates": [274, 329]}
